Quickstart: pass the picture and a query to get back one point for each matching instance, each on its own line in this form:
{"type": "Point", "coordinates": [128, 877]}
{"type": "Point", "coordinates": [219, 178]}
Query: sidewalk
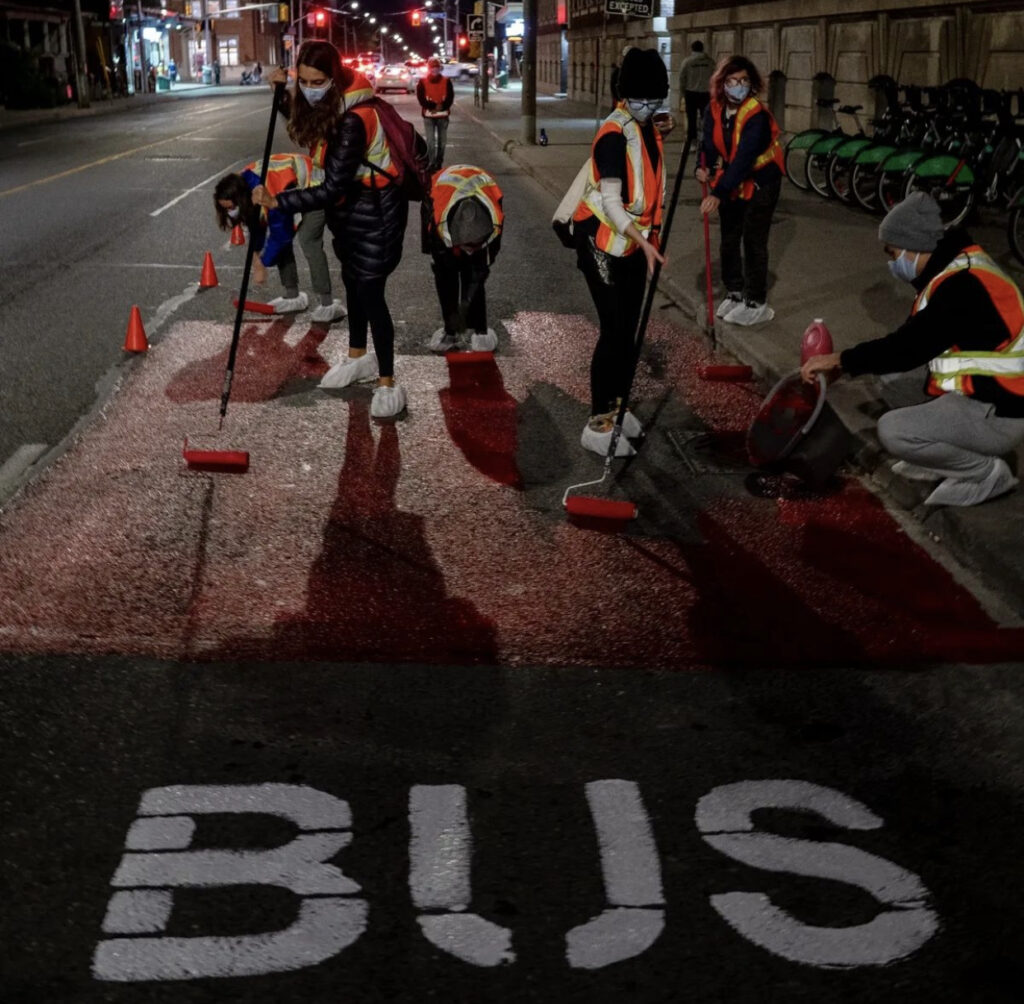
{"type": "Point", "coordinates": [825, 262]}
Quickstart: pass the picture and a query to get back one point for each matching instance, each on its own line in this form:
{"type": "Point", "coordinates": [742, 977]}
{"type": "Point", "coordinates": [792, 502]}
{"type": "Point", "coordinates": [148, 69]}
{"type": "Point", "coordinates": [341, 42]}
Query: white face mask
{"type": "Point", "coordinates": [737, 91]}
{"type": "Point", "coordinates": [233, 214]}
{"type": "Point", "coordinates": [315, 94]}
{"type": "Point", "coordinates": [642, 109]}
{"type": "Point", "coordinates": [903, 268]}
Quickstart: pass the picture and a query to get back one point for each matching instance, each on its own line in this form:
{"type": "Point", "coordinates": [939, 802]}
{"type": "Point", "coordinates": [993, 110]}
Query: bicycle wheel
{"type": "Point", "coordinates": [1015, 231]}
{"type": "Point", "coordinates": [889, 188]}
{"type": "Point", "coordinates": [796, 156]}
{"type": "Point", "coordinates": [815, 171]}
{"type": "Point", "coordinates": [837, 177]}
{"type": "Point", "coordinates": [955, 201]}
{"type": "Point", "coordinates": [863, 184]}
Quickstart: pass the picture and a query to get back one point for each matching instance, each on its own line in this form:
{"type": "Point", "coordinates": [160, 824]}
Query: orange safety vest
{"type": "Point", "coordinates": [952, 371]}
{"type": "Point", "coordinates": [436, 91]}
{"type": "Point", "coordinates": [286, 170]}
{"type": "Point", "coordinates": [464, 181]}
{"type": "Point", "coordinates": [643, 191]}
{"type": "Point", "coordinates": [774, 153]}
{"type": "Point", "coordinates": [354, 98]}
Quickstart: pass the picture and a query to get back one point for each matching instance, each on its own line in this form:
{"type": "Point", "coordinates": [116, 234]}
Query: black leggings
{"type": "Point", "coordinates": [617, 286]}
{"type": "Point", "coordinates": [747, 222]}
{"type": "Point", "coordinates": [460, 286]}
{"type": "Point", "coordinates": [368, 308]}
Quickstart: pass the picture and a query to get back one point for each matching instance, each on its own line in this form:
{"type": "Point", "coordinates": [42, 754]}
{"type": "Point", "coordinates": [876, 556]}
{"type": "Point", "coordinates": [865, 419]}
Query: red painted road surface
{"type": "Point", "coordinates": [422, 541]}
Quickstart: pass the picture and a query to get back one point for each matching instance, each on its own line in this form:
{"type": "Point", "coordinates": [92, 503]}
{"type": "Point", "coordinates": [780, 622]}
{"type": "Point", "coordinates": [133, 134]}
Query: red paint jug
{"type": "Point", "coordinates": [817, 341]}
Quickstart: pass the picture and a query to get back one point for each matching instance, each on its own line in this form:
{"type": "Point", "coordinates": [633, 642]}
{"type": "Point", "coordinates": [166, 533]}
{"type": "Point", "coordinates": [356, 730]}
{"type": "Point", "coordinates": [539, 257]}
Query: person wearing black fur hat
{"type": "Point", "coordinates": [615, 228]}
{"type": "Point", "coordinates": [967, 325]}
{"type": "Point", "coordinates": [743, 161]}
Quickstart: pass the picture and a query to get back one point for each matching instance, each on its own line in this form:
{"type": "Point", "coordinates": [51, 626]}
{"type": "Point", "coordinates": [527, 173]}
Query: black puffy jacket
{"type": "Point", "coordinates": [368, 224]}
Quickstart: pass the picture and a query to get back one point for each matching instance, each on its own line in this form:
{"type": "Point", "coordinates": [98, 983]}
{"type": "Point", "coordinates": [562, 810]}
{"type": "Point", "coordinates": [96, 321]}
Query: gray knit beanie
{"type": "Point", "coordinates": [469, 222]}
{"type": "Point", "coordinates": [914, 224]}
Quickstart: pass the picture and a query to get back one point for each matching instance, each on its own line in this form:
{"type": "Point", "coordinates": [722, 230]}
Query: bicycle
{"type": "Point", "coordinates": [797, 149]}
{"type": "Point", "coordinates": [820, 153]}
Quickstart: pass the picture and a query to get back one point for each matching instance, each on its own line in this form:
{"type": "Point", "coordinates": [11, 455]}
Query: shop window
{"type": "Point", "coordinates": [227, 51]}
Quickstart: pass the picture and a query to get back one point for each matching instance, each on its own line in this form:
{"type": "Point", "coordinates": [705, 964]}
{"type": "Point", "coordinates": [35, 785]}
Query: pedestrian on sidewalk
{"type": "Point", "coordinates": [967, 325]}
{"type": "Point", "coordinates": [366, 210]}
{"type": "Point", "coordinates": [435, 94]}
{"type": "Point", "coordinates": [742, 159]}
{"type": "Point", "coordinates": [273, 232]}
{"type": "Point", "coordinates": [464, 238]}
{"type": "Point", "coordinates": [695, 86]}
{"type": "Point", "coordinates": [615, 229]}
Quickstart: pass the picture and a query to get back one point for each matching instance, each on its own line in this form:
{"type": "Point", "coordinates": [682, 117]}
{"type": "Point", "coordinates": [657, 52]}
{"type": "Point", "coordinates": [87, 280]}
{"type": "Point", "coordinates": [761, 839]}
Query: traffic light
{"type": "Point", "coordinates": [463, 41]}
{"type": "Point", "coordinates": [417, 18]}
{"type": "Point", "coordinates": [317, 18]}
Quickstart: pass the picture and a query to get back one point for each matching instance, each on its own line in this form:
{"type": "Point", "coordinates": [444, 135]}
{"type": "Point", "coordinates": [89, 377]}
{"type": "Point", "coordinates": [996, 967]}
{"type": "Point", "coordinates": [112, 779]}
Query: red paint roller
{"type": "Point", "coordinates": [255, 307]}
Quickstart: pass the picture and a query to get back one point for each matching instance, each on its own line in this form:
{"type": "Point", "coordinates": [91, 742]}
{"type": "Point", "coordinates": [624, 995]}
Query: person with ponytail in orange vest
{"type": "Point", "coordinates": [615, 229]}
{"type": "Point", "coordinates": [742, 160]}
{"type": "Point", "coordinates": [366, 211]}
{"type": "Point", "coordinates": [464, 237]}
{"type": "Point", "coordinates": [435, 94]}
{"type": "Point", "coordinates": [967, 326]}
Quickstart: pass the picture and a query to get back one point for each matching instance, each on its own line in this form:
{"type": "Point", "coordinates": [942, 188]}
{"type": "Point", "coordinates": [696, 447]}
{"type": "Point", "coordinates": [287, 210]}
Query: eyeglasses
{"type": "Point", "coordinates": [736, 81]}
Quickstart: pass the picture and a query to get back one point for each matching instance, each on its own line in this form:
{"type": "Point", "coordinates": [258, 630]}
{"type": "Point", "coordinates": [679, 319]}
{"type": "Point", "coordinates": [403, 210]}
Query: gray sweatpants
{"type": "Point", "coordinates": [310, 235]}
{"type": "Point", "coordinates": [955, 436]}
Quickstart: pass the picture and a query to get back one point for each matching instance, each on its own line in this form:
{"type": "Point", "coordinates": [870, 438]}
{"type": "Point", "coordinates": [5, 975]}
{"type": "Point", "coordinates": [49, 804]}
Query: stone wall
{"type": "Point", "coordinates": [814, 47]}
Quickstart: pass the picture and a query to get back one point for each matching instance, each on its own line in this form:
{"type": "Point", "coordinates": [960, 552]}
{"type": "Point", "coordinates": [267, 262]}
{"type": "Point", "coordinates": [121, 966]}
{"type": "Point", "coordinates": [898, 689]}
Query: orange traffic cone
{"type": "Point", "coordinates": [135, 336]}
{"type": "Point", "coordinates": [238, 235]}
{"type": "Point", "coordinates": [209, 277]}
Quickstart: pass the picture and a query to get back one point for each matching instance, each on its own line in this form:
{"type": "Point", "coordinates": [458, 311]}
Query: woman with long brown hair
{"type": "Point", "coordinates": [742, 159]}
{"type": "Point", "coordinates": [332, 113]}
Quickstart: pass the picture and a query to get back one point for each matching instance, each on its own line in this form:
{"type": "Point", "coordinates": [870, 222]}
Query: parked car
{"type": "Point", "coordinates": [460, 71]}
{"type": "Point", "coordinates": [395, 78]}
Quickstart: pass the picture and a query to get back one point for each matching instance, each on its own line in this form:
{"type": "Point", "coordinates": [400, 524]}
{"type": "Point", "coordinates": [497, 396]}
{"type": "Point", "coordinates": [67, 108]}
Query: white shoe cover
{"type": "Point", "coordinates": [749, 314]}
{"type": "Point", "coordinates": [956, 491]}
{"type": "Point", "coordinates": [729, 304]}
{"type": "Point", "coordinates": [600, 443]}
{"type": "Point", "coordinates": [350, 371]}
{"type": "Point", "coordinates": [290, 305]}
{"type": "Point", "coordinates": [442, 342]}
{"type": "Point", "coordinates": [388, 402]}
{"type": "Point", "coordinates": [328, 312]}
{"type": "Point", "coordinates": [914, 472]}
{"type": "Point", "coordinates": [486, 342]}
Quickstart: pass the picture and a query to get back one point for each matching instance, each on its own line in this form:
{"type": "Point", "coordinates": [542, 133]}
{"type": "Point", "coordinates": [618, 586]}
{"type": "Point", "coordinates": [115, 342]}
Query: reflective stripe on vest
{"type": "Point", "coordinates": [951, 372]}
{"type": "Point", "coordinates": [773, 154]}
{"type": "Point", "coordinates": [378, 153]}
{"type": "Point", "coordinates": [643, 190]}
{"type": "Point", "coordinates": [318, 154]}
{"type": "Point", "coordinates": [285, 170]}
{"type": "Point", "coordinates": [463, 181]}
{"type": "Point", "coordinates": [436, 91]}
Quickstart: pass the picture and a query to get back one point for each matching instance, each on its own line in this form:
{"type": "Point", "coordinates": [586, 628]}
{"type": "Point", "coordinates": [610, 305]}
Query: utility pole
{"type": "Point", "coordinates": [143, 68]}
{"type": "Point", "coordinates": [207, 43]}
{"type": "Point", "coordinates": [83, 77]}
{"type": "Point", "coordinates": [529, 72]}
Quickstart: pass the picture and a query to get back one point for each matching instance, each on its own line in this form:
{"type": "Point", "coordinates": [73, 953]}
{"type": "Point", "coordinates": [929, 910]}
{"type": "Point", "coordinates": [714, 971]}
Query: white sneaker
{"type": "Point", "coordinates": [731, 302]}
{"type": "Point", "coordinates": [350, 371]}
{"type": "Point", "coordinates": [749, 313]}
{"type": "Point", "coordinates": [484, 342]}
{"type": "Point", "coordinates": [600, 442]}
{"type": "Point", "coordinates": [914, 472]}
{"type": "Point", "coordinates": [328, 312]}
{"type": "Point", "coordinates": [956, 491]}
{"type": "Point", "coordinates": [631, 425]}
{"type": "Point", "coordinates": [441, 341]}
{"type": "Point", "coordinates": [388, 402]}
{"type": "Point", "coordinates": [290, 305]}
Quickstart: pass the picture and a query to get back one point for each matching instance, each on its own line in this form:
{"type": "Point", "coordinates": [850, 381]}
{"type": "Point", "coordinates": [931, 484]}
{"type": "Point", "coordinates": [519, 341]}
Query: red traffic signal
{"type": "Point", "coordinates": [463, 41]}
{"type": "Point", "coordinates": [317, 18]}
{"type": "Point", "coordinates": [417, 18]}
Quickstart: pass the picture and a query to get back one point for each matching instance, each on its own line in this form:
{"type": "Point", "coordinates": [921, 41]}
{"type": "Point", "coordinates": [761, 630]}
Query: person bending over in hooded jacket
{"type": "Point", "coordinates": [464, 237]}
{"type": "Point", "coordinates": [967, 325]}
{"type": "Point", "coordinates": [615, 228]}
{"type": "Point", "coordinates": [274, 230]}
{"type": "Point", "coordinates": [366, 211]}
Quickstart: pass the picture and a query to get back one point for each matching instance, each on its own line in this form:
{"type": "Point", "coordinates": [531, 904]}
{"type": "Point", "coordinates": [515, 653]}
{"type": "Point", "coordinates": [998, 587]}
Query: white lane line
{"type": "Point", "coordinates": [17, 464]}
{"type": "Point", "coordinates": [32, 142]}
{"type": "Point", "coordinates": [169, 306]}
{"type": "Point", "coordinates": [205, 181]}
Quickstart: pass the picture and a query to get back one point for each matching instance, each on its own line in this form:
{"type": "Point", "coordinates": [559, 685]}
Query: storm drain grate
{"type": "Point", "coordinates": [711, 452]}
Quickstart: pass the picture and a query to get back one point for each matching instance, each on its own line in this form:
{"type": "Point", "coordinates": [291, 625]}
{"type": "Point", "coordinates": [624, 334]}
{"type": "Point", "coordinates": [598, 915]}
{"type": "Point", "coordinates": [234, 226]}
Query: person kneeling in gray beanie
{"type": "Point", "coordinates": [967, 326]}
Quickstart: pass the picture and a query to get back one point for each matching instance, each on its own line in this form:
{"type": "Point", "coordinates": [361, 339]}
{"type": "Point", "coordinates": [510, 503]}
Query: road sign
{"type": "Point", "coordinates": [637, 8]}
{"type": "Point", "coordinates": [489, 10]}
{"type": "Point", "coordinates": [475, 27]}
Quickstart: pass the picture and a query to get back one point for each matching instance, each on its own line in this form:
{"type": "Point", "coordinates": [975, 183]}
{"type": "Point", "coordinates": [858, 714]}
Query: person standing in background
{"type": "Point", "coordinates": [435, 94]}
{"type": "Point", "coordinates": [695, 86]}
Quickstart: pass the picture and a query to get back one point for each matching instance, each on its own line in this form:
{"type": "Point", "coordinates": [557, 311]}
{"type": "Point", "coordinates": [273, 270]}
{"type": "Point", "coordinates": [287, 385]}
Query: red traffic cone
{"type": "Point", "coordinates": [238, 235]}
{"type": "Point", "coordinates": [135, 336]}
{"type": "Point", "coordinates": [209, 275]}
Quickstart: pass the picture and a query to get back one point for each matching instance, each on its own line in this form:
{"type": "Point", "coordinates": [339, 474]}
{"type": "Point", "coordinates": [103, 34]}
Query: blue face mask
{"type": "Point", "coordinates": [315, 94]}
{"type": "Point", "coordinates": [903, 268]}
{"type": "Point", "coordinates": [737, 91]}
{"type": "Point", "coordinates": [640, 109]}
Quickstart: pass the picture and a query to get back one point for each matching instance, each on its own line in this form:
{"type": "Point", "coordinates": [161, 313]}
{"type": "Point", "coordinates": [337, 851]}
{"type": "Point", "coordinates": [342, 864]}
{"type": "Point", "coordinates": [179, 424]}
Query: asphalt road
{"type": "Point", "coordinates": [373, 723]}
